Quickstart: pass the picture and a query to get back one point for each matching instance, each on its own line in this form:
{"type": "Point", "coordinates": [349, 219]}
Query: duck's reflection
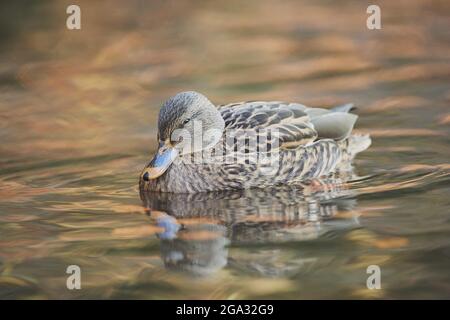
{"type": "Point", "coordinates": [198, 228]}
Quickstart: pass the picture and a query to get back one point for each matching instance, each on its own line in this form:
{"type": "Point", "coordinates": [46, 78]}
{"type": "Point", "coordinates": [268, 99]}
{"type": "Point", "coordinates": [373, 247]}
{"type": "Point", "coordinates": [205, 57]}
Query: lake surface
{"type": "Point", "coordinates": [78, 116]}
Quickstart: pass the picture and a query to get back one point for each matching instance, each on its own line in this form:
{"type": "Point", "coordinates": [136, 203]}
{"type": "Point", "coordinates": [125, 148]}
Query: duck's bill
{"type": "Point", "coordinates": [160, 163]}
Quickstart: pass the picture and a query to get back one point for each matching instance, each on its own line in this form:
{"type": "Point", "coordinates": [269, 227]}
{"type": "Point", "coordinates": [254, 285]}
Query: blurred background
{"type": "Point", "coordinates": [78, 112]}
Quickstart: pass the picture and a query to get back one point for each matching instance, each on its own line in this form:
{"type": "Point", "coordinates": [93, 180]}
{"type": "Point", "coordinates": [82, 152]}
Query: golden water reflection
{"type": "Point", "coordinates": [78, 122]}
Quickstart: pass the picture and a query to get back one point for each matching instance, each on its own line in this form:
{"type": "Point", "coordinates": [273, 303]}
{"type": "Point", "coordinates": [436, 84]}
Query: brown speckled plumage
{"type": "Point", "coordinates": [313, 142]}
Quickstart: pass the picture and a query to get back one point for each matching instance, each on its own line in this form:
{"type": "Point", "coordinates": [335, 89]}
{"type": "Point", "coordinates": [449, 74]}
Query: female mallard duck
{"type": "Point", "coordinates": [249, 144]}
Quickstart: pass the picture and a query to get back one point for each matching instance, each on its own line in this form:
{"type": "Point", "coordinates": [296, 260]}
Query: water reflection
{"type": "Point", "coordinates": [196, 229]}
{"type": "Point", "coordinates": [76, 126]}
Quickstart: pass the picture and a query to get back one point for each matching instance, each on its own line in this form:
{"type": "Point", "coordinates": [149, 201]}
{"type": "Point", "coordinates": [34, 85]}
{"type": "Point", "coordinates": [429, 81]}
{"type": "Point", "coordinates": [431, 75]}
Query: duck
{"type": "Point", "coordinates": [254, 144]}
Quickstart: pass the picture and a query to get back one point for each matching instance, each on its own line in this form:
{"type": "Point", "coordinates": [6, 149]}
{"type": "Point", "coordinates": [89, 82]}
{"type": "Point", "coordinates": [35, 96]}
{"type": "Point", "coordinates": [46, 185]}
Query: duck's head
{"type": "Point", "coordinates": [188, 122]}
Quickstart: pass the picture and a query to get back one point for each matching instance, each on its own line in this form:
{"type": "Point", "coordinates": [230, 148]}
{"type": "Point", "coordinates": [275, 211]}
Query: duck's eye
{"type": "Point", "coordinates": [186, 120]}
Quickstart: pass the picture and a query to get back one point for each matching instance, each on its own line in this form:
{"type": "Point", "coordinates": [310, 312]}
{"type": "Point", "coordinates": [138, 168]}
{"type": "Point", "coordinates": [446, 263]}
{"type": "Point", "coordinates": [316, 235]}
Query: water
{"type": "Point", "coordinates": [78, 112]}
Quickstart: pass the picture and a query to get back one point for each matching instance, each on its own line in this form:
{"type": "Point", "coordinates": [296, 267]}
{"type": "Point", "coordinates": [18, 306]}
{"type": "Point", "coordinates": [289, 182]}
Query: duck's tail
{"type": "Point", "coordinates": [353, 145]}
{"type": "Point", "coordinates": [350, 147]}
{"type": "Point", "coordinates": [335, 123]}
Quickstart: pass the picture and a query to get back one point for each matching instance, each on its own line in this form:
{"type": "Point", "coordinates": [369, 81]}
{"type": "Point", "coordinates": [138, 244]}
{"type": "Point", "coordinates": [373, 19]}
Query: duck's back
{"type": "Point", "coordinates": [298, 125]}
{"type": "Point", "coordinates": [309, 142]}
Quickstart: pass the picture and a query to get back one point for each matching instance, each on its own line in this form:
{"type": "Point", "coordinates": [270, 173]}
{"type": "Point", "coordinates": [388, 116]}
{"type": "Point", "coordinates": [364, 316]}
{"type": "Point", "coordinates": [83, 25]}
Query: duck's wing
{"type": "Point", "coordinates": [289, 121]}
{"type": "Point", "coordinates": [295, 124]}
